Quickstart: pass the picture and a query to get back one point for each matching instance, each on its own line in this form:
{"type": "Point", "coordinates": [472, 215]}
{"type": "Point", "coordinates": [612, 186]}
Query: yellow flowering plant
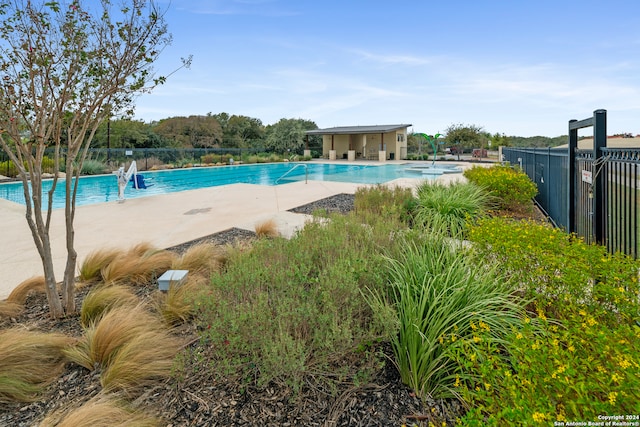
{"type": "Point", "coordinates": [576, 355]}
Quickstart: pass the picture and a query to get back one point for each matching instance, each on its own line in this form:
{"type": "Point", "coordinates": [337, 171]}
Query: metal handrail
{"type": "Point", "coordinates": [306, 172]}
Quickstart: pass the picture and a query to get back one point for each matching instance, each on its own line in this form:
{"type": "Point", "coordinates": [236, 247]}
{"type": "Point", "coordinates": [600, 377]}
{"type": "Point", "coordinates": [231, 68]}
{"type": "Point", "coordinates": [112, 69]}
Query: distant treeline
{"type": "Point", "coordinates": [537, 141]}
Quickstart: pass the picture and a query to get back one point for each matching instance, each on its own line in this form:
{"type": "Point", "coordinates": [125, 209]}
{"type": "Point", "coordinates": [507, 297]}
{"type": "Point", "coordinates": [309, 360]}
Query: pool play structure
{"type": "Point", "coordinates": [134, 184]}
{"type": "Point", "coordinates": [433, 169]}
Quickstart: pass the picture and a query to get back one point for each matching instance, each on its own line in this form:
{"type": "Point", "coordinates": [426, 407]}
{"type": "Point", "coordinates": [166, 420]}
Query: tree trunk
{"type": "Point", "coordinates": [69, 282]}
{"type": "Point", "coordinates": [51, 287]}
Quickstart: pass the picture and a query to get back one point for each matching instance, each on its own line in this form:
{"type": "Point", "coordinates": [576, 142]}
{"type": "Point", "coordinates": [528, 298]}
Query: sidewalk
{"type": "Point", "coordinates": [163, 221]}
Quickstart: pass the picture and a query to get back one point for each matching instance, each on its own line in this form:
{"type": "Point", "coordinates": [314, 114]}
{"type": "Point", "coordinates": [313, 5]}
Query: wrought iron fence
{"type": "Point", "coordinates": [593, 193]}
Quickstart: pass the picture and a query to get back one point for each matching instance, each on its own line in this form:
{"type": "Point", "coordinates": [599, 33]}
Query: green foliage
{"type": "Point", "coordinates": [468, 136]}
{"type": "Point", "coordinates": [447, 208]}
{"type": "Point", "coordinates": [513, 190]}
{"type": "Point", "coordinates": [94, 167]}
{"type": "Point", "coordinates": [292, 311]}
{"type": "Point", "coordinates": [443, 299]}
{"type": "Point", "coordinates": [287, 135]}
{"type": "Point", "coordinates": [576, 356]}
{"type": "Point", "coordinates": [381, 201]}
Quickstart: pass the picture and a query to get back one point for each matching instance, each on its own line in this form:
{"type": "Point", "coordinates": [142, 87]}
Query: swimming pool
{"type": "Point", "coordinates": [104, 188]}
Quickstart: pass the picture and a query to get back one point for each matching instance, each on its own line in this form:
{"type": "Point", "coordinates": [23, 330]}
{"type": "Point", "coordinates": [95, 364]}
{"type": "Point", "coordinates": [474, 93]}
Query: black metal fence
{"type": "Point", "coordinates": [149, 158]}
{"type": "Point", "coordinates": [593, 193]}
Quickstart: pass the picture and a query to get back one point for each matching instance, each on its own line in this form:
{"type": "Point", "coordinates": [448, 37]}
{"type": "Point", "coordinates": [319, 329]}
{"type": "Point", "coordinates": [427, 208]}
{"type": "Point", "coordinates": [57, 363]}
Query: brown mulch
{"type": "Point", "coordinates": [199, 398]}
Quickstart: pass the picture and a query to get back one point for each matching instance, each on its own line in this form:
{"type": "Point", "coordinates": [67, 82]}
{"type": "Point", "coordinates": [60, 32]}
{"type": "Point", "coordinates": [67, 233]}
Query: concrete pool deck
{"type": "Point", "coordinates": [162, 220]}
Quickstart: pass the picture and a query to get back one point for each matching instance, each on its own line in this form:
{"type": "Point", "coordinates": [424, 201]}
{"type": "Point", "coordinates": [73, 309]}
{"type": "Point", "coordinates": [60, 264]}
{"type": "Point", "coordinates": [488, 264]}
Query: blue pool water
{"type": "Point", "coordinates": [104, 188]}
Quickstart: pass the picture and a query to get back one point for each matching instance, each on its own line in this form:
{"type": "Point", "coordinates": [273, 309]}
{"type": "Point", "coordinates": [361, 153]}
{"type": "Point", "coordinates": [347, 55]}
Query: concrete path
{"type": "Point", "coordinates": [163, 221]}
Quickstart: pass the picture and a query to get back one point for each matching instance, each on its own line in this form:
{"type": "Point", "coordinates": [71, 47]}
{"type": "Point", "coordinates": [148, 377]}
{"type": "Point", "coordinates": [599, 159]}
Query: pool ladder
{"type": "Point", "coordinates": [306, 172]}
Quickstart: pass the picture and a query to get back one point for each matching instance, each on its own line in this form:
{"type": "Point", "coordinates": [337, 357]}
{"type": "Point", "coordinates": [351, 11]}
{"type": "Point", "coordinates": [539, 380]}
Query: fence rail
{"type": "Point", "coordinates": [593, 193]}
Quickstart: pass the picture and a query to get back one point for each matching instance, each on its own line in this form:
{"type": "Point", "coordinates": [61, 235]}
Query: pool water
{"type": "Point", "coordinates": [104, 188]}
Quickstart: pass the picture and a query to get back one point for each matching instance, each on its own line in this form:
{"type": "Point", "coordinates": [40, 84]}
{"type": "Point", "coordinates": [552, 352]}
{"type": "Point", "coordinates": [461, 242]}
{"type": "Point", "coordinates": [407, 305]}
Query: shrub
{"type": "Point", "coordinates": [448, 208]}
{"type": "Point", "coordinates": [385, 201]}
{"type": "Point", "coordinates": [20, 293]}
{"type": "Point", "coordinates": [201, 259]}
{"type": "Point", "coordinates": [512, 188]}
{"type": "Point", "coordinates": [94, 167]}
{"type": "Point", "coordinates": [140, 265]}
{"type": "Point", "coordinates": [29, 361]}
{"type": "Point", "coordinates": [575, 357]}
{"type": "Point", "coordinates": [291, 311]}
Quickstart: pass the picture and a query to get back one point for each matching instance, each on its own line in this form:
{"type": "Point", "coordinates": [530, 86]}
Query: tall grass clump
{"type": "Point", "coordinates": [442, 298]}
{"type": "Point", "coordinates": [91, 267]}
{"type": "Point", "coordinates": [381, 200]}
{"type": "Point", "coordinates": [130, 346]}
{"type": "Point", "coordinates": [29, 361]}
{"type": "Point", "coordinates": [511, 187]}
{"type": "Point", "coordinates": [139, 265]}
{"type": "Point", "coordinates": [203, 259]}
{"type": "Point", "coordinates": [104, 298]}
{"type": "Point", "coordinates": [14, 304]}
{"type": "Point", "coordinates": [448, 208]}
{"type": "Point", "coordinates": [101, 411]}
{"type": "Point", "coordinates": [178, 304]}
{"type": "Point", "coordinates": [292, 311]}
{"type": "Point", "coordinates": [267, 228]}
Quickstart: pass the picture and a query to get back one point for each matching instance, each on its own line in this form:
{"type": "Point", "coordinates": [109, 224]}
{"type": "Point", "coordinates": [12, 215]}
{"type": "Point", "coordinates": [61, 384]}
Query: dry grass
{"type": "Point", "coordinates": [267, 228]}
{"type": "Point", "coordinates": [139, 265]}
{"type": "Point", "coordinates": [103, 299]}
{"type": "Point", "coordinates": [29, 361]}
{"type": "Point", "coordinates": [90, 270]}
{"type": "Point", "coordinates": [201, 259]}
{"type": "Point", "coordinates": [132, 347]}
{"type": "Point", "coordinates": [101, 411]}
{"type": "Point", "coordinates": [21, 292]}
{"type": "Point", "coordinates": [177, 304]}
{"type": "Point", "coordinates": [10, 309]}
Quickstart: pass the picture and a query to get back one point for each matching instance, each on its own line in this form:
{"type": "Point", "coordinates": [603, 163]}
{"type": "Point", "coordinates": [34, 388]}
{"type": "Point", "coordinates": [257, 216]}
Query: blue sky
{"type": "Point", "coordinates": [519, 67]}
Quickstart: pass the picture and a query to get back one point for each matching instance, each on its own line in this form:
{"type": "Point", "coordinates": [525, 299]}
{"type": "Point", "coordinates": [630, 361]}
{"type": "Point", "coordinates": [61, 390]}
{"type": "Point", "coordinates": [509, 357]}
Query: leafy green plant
{"type": "Point", "coordinates": [575, 357]}
{"type": "Point", "coordinates": [93, 167]}
{"type": "Point", "coordinates": [442, 299]}
{"type": "Point", "coordinates": [511, 187]}
{"type": "Point", "coordinates": [385, 201]}
{"type": "Point", "coordinates": [447, 208]}
{"type": "Point", "coordinates": [291, 311]}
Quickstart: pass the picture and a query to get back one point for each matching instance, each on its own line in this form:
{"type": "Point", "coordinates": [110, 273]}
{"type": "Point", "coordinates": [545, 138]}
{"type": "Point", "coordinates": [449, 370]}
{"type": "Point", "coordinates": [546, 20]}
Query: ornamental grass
{"type": "Point", "coordinates": [29, 361]}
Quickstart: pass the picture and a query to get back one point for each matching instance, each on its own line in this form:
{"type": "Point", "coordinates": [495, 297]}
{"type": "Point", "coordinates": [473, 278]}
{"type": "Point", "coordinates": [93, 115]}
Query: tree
{"type": "Point", "coordinates": [64, 68]}
{"type": "Point", "coordinates": [466, 136]}
{"type": "Point", "coordinates": [287, 135]}
{"type": "Point", "coordinates": [192, 131]}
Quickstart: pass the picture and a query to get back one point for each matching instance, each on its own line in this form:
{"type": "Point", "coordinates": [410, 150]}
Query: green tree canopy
{"type": "Point", "coordinates": [467, 136]}
{"type": "Point", "coordinates": [288, 135]}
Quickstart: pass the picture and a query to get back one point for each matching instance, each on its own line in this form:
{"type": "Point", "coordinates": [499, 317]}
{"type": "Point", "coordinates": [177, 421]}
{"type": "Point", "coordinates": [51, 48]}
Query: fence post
{"type": "Point", "coordinates": [599, 142]}
{"type": "Point", "coordinates": [571, 180]}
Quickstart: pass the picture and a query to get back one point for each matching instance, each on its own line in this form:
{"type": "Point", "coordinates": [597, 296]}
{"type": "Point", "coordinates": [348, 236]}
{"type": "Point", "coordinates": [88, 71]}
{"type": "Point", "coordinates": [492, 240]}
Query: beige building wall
{"type": "Point", "coordinates": [368, 145]}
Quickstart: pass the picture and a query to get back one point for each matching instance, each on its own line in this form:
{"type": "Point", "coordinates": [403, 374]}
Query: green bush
{"type": "Point", "coordinates": [576, 356]}
{"type": "Point", "coordinates": [94, 167]}
{"type": "Point", "coordinates": [447, 208]}
{"type": "Point", "coordinates": [512, 188]}
{"type": "Point", "coordinates": [386, 202]}
{"type": "Point", "coordinates": [292, 311]}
